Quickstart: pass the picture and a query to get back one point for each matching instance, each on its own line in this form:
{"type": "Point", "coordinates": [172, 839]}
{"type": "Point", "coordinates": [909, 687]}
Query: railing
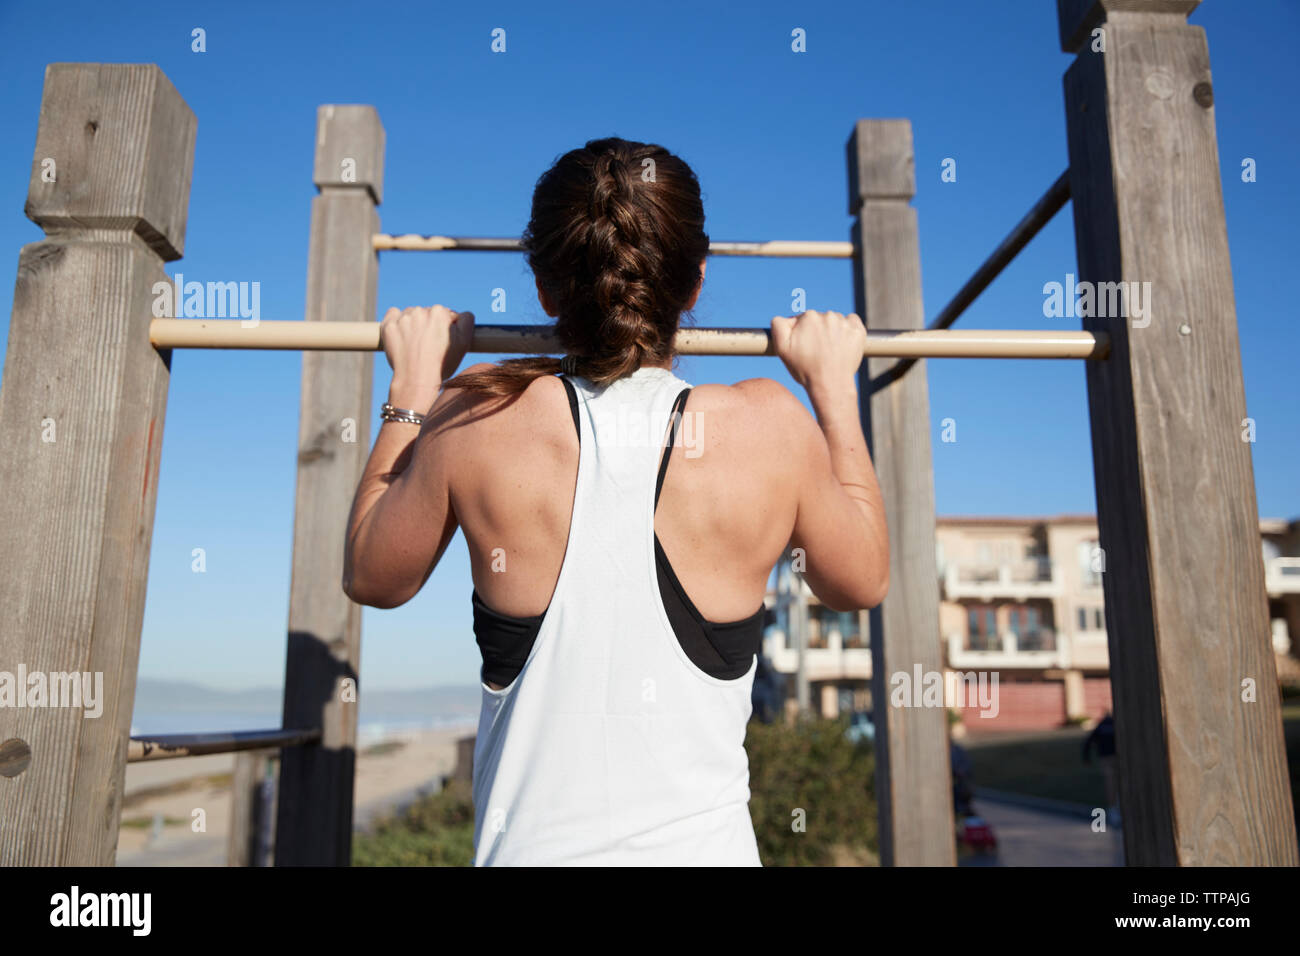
{"type": "Point", "coordinates": [1282, 575]}
{"type": "Point", "coordinates": [169, 746]}
{"type": "Point", "coordinates": [1037, 649]}
{"type": "Point", "coordinates": [1031, 577]}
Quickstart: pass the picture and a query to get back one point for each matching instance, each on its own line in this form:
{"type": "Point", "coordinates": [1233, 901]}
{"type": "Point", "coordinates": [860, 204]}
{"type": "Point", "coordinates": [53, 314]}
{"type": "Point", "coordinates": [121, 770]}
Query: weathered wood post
{"type": "Point", "coordinates": [1202, 765]}
{"type": "Point", "coordinates": [249, 808]}
{"type": "Point", "coordinates": [913, 776]}
{"type": "Point", "coordinates": [81, 422]}
{"type": "Point", "coordinates": [321, 687]}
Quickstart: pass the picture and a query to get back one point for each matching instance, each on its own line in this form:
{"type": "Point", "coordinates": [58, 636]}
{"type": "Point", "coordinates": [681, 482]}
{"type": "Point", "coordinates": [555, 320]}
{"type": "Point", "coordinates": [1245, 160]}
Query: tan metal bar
{"type": "Point", "coordinates": [167, 746]}
{"type": "Point", "coordinates": [777, 248]}
{"type": "Point", "coordinates": [539, 340]}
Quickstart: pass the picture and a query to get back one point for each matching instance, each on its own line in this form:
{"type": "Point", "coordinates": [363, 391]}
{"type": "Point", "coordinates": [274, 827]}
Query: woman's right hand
{"type": "Point", "coordinates": [820, 347]}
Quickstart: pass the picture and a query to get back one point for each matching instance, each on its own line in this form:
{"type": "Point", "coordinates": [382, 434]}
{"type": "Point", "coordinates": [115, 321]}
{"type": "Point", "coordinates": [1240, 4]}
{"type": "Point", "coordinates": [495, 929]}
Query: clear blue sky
{"type": "Point", "coordinates": [469, 131]}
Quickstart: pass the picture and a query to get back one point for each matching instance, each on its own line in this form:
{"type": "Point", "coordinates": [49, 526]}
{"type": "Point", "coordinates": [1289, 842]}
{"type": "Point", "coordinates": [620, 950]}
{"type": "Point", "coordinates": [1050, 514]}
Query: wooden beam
{"type": "Point", "coordinates": [314, 815]}
{"type": "Point", "coordinates": [244, 781]}
{"type": "Point", "coordinates": [913, 777]}
{"type": "Point", "coordinates": [1202, 766]}
{"type": "Point", "coordinates": [81, 423]}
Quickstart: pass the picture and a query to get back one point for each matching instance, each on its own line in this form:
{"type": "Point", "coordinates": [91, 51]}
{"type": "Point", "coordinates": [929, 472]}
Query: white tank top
{"type": "Point", "coordinates": [611, 747]}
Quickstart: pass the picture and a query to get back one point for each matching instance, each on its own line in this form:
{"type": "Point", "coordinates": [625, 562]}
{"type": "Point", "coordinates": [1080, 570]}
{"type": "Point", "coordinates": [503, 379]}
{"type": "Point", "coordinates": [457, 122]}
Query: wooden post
{"type": "Point", "coordinates": [81, 421]}
{"type": "Point", "coordinates": [1202, 766]}
{"type": "Point", "coordinates": [314, 817]}
{"type": "Point", "coordinates": [240, 841]}
{"type": "Point", "coordinates": [913, 776]}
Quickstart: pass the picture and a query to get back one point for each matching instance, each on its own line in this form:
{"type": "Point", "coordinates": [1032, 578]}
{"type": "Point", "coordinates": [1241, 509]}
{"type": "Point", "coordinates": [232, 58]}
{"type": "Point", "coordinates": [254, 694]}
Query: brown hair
{"type": "Point", "coordinates": [616, 243]}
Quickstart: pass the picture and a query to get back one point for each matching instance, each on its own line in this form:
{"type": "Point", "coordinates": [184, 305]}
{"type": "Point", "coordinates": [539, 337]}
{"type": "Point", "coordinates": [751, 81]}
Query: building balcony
{"type": "Point", "coordinates": [1042, 650]}
{"type": "Point", "coordinates": [840, 659]}
{"type": "Point", "coordinates": [1018, 581]}
{"type": "Point", "coordinates": [1282, 576]}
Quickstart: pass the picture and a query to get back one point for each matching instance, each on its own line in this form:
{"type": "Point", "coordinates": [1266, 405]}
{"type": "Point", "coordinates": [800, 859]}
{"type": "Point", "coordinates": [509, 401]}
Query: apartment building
{"type": "Point", "coordinates": [1020, 597]}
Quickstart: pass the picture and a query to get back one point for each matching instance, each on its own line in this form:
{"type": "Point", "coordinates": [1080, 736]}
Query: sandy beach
{"type": "Point", "coordinates": [161, 797]}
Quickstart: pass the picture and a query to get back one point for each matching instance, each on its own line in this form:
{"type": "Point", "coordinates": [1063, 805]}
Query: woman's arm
{"type": "Point", "coordinates": [402, 520]}
{"type": "Point", "coordinates": [840, 522]}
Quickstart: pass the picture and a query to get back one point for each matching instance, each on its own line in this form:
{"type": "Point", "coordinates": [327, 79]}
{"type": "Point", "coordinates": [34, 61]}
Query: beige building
{"type": "Point", "coordinates": [1020, 597]}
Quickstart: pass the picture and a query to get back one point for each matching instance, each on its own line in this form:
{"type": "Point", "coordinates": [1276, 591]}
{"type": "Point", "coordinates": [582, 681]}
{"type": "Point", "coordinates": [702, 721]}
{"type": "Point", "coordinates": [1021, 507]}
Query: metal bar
{"type": "Point", "coordinates": [1039, 215]}
{"type": "Point", "coordinates": [167, 746]}
{"type": "Point", "coordinates": [540, 340]}
{"type": "Point", "coordinates": [777, 248]}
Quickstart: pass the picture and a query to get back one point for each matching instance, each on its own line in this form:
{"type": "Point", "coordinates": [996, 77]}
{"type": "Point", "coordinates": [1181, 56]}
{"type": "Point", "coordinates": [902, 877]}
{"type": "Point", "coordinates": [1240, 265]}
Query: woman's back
{"type": "Point", "coordinates": [726, 511]}
{"type": "Point", "coordinates": [610, 746]}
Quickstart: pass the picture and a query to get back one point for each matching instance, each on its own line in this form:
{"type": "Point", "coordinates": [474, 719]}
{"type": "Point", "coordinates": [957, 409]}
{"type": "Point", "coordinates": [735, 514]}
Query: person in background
{"type": "Point", "coordinates": [963, 789]}
{"type": "Point", "coordinates": [1103, 738]}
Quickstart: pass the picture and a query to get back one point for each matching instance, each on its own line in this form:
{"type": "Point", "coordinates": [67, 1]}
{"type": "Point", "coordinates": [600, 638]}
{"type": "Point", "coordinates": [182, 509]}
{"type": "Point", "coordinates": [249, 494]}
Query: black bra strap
{"type": "Point", "coordinates": [573, 403]}
{"type": "Point", "coordinates": [678, 405]}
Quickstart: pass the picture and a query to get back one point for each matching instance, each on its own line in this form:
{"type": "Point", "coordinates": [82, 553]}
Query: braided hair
{"type": "Point", "coordinates": [615, 239]}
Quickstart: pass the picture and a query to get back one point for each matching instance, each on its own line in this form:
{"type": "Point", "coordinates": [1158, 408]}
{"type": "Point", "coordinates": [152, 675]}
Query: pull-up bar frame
{"type": "Point", "coordinates": [541, 340]}
{"type": "Point", "coordinates": [1039, 215]}
{"type": "Point", "coordinates": [774, 249]}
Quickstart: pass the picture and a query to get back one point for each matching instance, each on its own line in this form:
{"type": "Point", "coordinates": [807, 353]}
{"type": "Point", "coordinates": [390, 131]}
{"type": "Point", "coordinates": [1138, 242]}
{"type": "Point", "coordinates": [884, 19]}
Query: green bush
{"type": "Point", "coordinates": [811, 766]}
{"type": "Point", "coordinates": [436, 830]}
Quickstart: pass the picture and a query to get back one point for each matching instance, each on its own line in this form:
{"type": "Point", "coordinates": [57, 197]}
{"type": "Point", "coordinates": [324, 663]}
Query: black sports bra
{"type": "Point", "coordinates": [722, 650]}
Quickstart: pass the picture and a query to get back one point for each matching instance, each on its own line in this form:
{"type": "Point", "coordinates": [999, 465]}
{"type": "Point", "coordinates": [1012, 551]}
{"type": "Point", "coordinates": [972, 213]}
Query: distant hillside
{"type": "Point", "coordinates": [181, 697]}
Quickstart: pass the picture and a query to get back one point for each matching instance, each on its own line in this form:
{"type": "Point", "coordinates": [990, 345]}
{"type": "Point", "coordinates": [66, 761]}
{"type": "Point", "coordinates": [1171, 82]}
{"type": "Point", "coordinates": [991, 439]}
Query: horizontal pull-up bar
{"type": "Point", "coordinates": [167, 746]}
{"type": "Point", "coordinates": [777, 248]}
{"type": "Point", "coordinates": [540, 340]}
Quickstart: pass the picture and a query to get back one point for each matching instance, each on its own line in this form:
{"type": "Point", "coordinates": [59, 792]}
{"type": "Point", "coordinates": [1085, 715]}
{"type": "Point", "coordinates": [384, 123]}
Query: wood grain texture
{"type": "Point", "coordinates": [913, 776]}
{"type": "Point", "coordinates": [314, 815]}
{"type": "Point", "coordinates": [1203, 774]}
{"type": "Point", "coordinates": [350, 149]}
{"type": "Point", "coordinates": [76, 516]}
{"type": "Point", "coordinates": [242, 838]}
{"type": "Point", "coordinates": [122, 142]}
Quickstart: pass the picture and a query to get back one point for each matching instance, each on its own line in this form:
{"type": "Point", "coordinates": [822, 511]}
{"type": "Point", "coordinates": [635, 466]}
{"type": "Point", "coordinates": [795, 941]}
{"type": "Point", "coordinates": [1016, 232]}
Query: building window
{"type": "Point", "coordinates": [816, 628]}
{"type": "Point", "coordinates": [982, 625]}
{"type": "Point", "coordinates": [1089, 564]}
{"type": "Point", "coordinates": [1100, 617]}
{"type": "Point", "coordinates": [781, 621]}
{"type": "Point", "coordinates": [851, 629]}
{"type": "Point", "coordinates": [1083, 618]}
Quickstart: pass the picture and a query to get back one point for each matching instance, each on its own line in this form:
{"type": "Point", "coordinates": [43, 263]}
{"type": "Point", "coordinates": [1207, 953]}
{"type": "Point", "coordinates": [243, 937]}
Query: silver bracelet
{"type": "Point", "coordinates": [390, 413]}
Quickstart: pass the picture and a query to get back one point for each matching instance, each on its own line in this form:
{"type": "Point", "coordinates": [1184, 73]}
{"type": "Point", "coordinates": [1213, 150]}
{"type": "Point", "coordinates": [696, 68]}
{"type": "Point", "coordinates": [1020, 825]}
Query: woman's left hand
{"type": "Point", "coordinates": [424, 347]}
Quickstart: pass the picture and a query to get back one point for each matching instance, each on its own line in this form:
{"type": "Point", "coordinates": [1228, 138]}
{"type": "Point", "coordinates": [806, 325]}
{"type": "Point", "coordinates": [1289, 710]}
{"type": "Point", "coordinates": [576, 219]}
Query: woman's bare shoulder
{"type": "Point", "coordinates": [480, 411]}
{"type": "Point", "coordinates": [761, 412]}
{"type": "Point", "coordinates": [762, 401]}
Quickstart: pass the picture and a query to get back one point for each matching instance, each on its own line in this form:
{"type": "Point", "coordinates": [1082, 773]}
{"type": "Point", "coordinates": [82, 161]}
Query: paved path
{"type": "Point", "coordinates": [1035, 838]}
